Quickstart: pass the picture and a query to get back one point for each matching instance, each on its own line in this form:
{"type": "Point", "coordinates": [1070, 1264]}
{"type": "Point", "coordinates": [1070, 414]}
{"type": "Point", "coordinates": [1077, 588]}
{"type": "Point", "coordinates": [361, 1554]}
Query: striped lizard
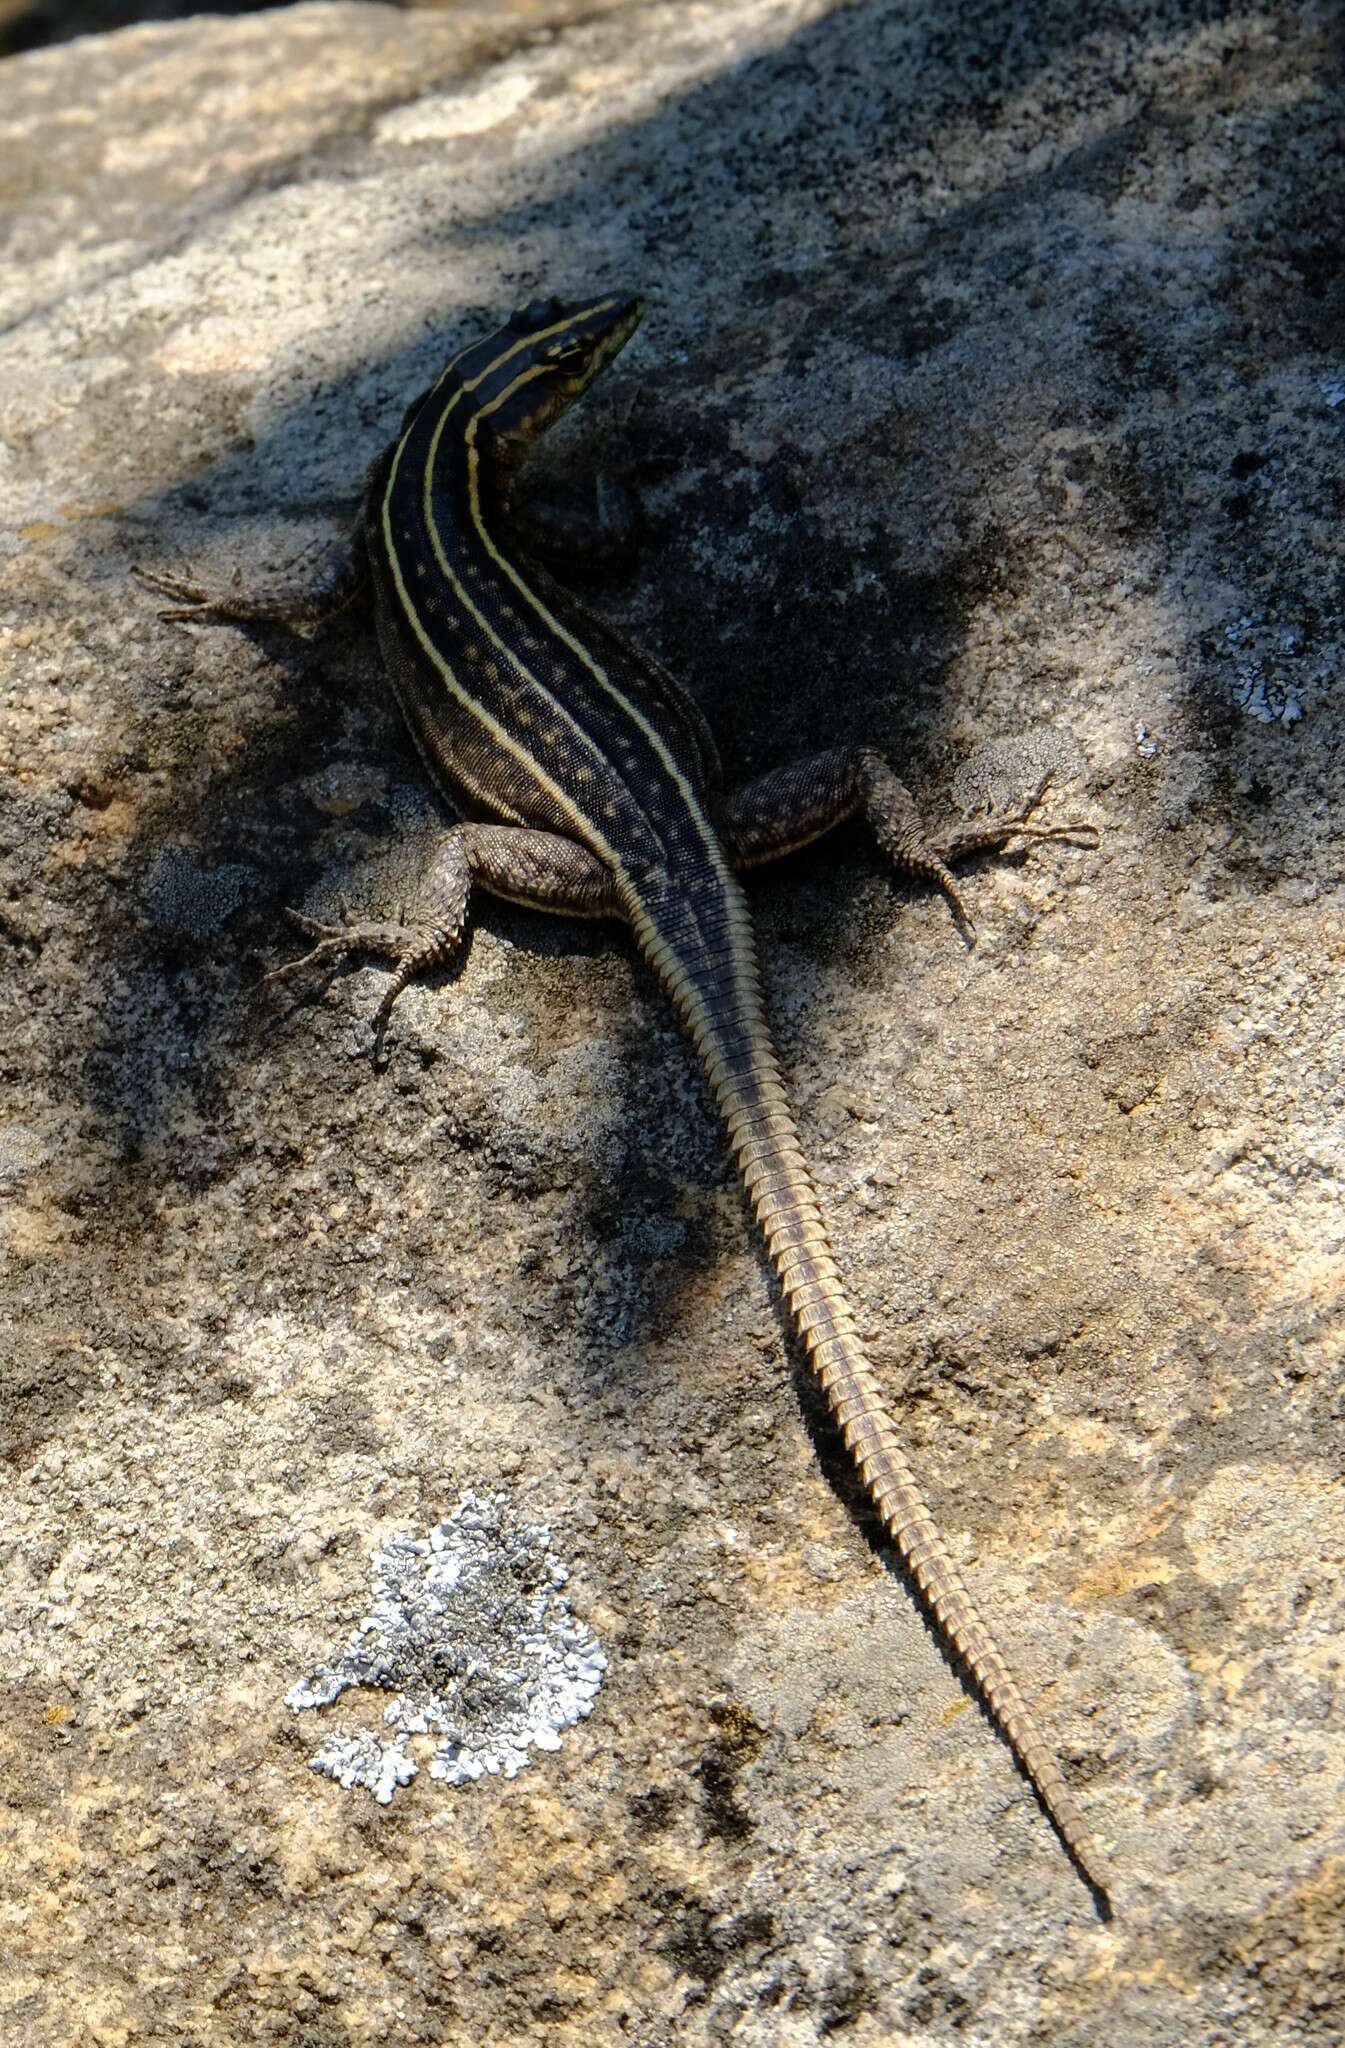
{"type": "Point", "coordinates": [589, 785]}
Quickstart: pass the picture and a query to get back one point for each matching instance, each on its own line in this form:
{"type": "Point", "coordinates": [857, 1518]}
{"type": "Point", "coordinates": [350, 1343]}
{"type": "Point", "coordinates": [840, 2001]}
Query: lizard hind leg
{"type": "Point", "coordinates": [992, 834]}
{"type": "Point", "coordinates": [790, 806]}
{"type": "Point", "coordinates": [794, 804]}
{"type": "Point", "coordinates": [414, 945]}
{"type": "Point", "coordinates": [540, 869]}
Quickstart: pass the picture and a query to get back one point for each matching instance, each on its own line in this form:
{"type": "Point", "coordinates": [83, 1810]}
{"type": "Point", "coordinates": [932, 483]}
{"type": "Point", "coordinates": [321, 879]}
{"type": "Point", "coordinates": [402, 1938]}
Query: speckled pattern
{"type": "Point", "coordinates": [469, 1629]}
{"type": "Point", "coordinates": [991, 387]}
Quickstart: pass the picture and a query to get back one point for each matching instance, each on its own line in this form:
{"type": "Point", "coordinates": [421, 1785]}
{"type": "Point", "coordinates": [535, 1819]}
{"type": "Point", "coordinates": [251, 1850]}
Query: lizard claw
{"type": "Point", "coordinates": [1018, 824]}
{"type": "Point", "coordinates": [192, 600]}
{"type": "Point", "coordinates": [410, 949]}
{"type": "Point", "coordinates": [336, 940]}
{"type": "Point", "coordinates": [993, 834]}
{"type": "Point", "coordinates": [333, 941]}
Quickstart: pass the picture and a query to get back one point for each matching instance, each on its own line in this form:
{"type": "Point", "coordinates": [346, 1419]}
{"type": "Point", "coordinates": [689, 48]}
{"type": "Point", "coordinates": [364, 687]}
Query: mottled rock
{"type": "Point", "coordinates": [988, 409]}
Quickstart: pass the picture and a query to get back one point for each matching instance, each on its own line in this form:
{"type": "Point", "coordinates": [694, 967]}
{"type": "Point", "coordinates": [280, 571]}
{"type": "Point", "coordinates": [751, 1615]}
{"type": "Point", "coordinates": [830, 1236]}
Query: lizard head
{"type": "Point", "coordinates": [546, 357]}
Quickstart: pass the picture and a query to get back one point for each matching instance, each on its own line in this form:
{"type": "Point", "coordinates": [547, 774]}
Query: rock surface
{"type": "Point", "coordinates": [990, 409]}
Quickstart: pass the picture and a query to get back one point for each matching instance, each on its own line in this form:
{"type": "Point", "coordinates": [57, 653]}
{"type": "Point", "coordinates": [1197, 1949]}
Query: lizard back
{"type": "Point", "coordinates": [525, 708]}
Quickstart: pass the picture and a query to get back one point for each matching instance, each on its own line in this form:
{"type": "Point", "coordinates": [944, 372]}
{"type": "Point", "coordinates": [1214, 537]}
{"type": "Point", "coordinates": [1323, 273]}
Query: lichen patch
{"type": "Point", "coordinates": [471, 1632]}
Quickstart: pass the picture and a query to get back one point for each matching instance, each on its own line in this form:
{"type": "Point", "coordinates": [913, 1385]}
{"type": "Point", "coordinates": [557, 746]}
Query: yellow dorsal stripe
{"type": "Point", "coordinates": [499, 733]}
{"type": "Point", "coordinates": [738, 936]}
{"type": "Point", "coordinates": [472, 383]}
{"type": "Point", "coordinates": [440, 553]}
{"type": "Point", "coordinates": [576, 646]}
{"type": "Point", "coordinates": [707, 1030]}
{"type": "Point", "coordinates": [464, 596]}
{"type": "Point", "coordinates": [523, 341]}
{"type": "Point", "coordinates": [462, 695]}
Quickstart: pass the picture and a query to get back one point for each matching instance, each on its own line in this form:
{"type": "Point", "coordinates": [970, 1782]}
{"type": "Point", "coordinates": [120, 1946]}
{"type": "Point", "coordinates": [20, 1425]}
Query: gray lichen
{"type": "Point", "coordinates": [186, 900]}
{"type": "Point", "coordinates": [1265, 655]}
{"type": "Point", "coordinates": [471, 1632]}
{"type": "Point", "coordinates": [1000, 775]}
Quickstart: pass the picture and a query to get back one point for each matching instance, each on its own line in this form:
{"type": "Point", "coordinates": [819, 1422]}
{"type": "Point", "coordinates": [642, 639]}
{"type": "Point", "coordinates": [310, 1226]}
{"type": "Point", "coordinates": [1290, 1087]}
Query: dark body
{"type": "Point", "coordinates": [590, 785]}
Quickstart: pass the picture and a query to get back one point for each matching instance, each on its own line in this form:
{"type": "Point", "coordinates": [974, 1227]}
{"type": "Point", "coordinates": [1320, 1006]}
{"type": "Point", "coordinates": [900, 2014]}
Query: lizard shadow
{"type": "Point", "coordinates": [148, 1085]}
{"type": "Point", "coordinates": [736, 668]}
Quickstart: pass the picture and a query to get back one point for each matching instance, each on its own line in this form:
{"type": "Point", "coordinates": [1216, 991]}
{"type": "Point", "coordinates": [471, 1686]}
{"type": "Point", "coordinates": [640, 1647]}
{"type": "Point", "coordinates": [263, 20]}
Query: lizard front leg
{"type": "Point", "coordinates": [539, 869]}
{"type": "Point", "coordinates": [587, 527]}
{"type": "Point", "coordinates": [793, 805]}
{"type": "Point", "coordinates": [341, 577]}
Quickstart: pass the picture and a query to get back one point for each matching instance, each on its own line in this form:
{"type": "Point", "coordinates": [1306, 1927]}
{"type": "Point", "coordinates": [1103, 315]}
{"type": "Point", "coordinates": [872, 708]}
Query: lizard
{"type": "Point", "coordinates": [587, 783]}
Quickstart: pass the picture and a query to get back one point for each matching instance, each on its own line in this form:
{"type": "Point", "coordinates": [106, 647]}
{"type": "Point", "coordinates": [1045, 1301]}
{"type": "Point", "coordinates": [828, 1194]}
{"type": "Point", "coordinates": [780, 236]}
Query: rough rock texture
{"type": "Point", "coordinates": [991, 397]}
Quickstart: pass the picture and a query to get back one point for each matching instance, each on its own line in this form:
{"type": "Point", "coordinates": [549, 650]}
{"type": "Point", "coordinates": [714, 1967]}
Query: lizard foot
{"type": "Point", "coordinates": [932, 855]}
{"type": "Point", "coordinates": [191, 600]}
{"type": "Point", "coordinates": [413, 950]}
{"type": "Point", "coordinates": [992, 835]}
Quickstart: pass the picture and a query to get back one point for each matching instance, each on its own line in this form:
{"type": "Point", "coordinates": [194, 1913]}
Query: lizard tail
{"type": "Point", "coordinates": [721, 1006]}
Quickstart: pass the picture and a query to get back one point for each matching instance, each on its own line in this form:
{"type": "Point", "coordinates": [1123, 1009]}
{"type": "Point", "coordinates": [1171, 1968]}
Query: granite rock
{"type": "Point", "coordinates": [989, 409]}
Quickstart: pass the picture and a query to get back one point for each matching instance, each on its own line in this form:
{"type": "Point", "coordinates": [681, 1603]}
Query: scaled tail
{"type": "Point", "coordinates": [701, 945]}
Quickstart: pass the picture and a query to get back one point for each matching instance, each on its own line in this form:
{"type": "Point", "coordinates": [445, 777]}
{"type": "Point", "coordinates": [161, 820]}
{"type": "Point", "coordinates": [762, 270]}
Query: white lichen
{"type": "Point", "coordinates": [361, 1759]}
{"type": "Point", "coordinates": [471, 1633]}
{"type": "Point", "coordinates": [1263, 683]}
